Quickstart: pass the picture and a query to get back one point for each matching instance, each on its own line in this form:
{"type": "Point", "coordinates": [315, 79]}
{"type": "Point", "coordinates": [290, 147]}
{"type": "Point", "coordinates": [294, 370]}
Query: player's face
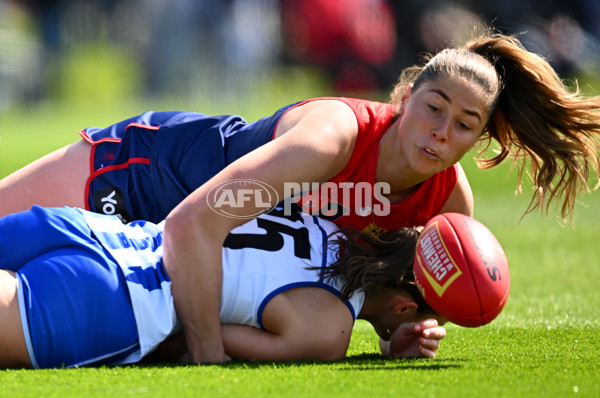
{"type": "Point", "coordinates": [440, 121]}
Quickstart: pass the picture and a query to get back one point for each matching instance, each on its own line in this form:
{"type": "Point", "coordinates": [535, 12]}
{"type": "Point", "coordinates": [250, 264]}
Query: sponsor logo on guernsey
{"type": "Point", "coordinates": [110, 201]}
{"type": "Point", "coordinates": [435, 261]}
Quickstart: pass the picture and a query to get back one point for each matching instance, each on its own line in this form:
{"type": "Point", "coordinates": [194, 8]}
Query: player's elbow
{"type": "Point", "coordinates": [328, 353]}
{"type": "Point", "coordinates": [185, 238]}
{"type": "Point", "coordinates": [190, 225]}
{"type": "Point", "coordinates": [332, 355]}
{"type": "Point", "coordinates": [327, 348]}
{"type": "Point", "coordinates": [177, 233]}
{"type": "Point", "coordinates": [182, 221]}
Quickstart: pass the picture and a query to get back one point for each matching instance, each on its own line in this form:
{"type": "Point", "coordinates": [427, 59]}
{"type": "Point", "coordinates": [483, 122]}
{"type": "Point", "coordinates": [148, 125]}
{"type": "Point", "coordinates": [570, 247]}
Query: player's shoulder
{"type": "Point", "coordinates": [325, 108]}
{"type": "Point", "coordinates": [321, 115]}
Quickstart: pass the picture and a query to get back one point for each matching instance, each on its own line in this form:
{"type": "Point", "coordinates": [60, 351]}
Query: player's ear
{"type": "Point", "coordinates": [405, 306]}
{"type": "Point", "coordinates": [404, 97]}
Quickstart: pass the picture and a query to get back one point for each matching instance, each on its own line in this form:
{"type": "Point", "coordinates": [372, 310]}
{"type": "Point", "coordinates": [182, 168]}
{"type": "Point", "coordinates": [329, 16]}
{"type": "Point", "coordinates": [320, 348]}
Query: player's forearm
{"type": "Point", "coordinates": [193, 263]}
{"type": "Point", "coordinates": [201, 326]}
{"type": "Point", "coordinates": [200, 322]}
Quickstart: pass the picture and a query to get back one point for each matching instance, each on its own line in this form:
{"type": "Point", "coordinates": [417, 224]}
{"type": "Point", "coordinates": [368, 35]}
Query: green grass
{"type": "Point", "coordinates": [545, 343]}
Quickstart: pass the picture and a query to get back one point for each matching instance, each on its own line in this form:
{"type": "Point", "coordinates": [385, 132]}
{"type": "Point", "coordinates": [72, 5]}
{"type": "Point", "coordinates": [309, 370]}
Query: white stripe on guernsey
{"type": "Point", "coordinates": [152, 301]}
{"type": "Point", "coordinates": [113, 354]}
{"type": "Point", "coordinates": [24, 322]}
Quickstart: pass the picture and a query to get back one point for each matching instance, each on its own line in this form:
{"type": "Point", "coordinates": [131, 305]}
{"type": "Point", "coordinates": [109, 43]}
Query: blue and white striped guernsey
{"type": "Point", "coordinates": [137, 248]}
{"type": "Point", "coordinates": [264, 257]}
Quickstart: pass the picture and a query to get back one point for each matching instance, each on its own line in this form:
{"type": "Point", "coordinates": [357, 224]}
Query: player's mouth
{"type": "Point", "coordinates": [429, 153]}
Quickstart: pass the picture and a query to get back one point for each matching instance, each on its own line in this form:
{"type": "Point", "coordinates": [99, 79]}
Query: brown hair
{"type": "Point", "coordinates": [534, 118]}
{"type": "Point", "coordinates": [374, 264]}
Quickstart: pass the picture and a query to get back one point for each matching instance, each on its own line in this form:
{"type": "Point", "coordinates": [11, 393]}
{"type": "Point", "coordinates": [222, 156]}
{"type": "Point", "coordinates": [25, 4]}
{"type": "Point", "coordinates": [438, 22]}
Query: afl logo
{"type": "Point", "coordinates": [230, 196]}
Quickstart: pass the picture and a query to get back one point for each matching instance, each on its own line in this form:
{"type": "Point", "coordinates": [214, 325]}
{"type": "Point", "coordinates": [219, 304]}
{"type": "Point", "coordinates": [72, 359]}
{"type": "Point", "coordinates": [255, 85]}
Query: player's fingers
{"type": "Point", "coordinates": [407, 329]}
{"type": "Point", "coordinates": [426, 324]}
{"type": "Point", "coordinates": [434, 333]}
{"type": "Point", "coordinates": [426, 352]}
{"type": "Point", "coordinates": [431, 344]}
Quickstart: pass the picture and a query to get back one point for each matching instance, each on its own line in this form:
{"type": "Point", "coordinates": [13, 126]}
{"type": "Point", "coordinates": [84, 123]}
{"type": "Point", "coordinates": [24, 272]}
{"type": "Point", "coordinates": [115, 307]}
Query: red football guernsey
{"type": "Point", "coordinates": [352, 198]}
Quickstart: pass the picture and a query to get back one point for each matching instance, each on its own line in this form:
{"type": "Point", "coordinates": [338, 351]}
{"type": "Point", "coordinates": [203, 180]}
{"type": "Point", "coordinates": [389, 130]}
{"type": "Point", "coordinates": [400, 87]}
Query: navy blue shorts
{"type": "Point", "coordinates": [142, 167]}
{"type": "Point", "coordinates": [73, 298]}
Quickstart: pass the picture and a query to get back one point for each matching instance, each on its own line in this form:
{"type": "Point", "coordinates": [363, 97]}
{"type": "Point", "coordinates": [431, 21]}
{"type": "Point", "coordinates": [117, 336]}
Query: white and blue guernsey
{"type": "Point", "coordinates": [93, 290]}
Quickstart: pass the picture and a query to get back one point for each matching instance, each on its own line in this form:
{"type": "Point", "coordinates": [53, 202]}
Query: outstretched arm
{"type": "Point", "coordinates": [412, 340]}
{"type": "Point", "coordinates": [315, 149]}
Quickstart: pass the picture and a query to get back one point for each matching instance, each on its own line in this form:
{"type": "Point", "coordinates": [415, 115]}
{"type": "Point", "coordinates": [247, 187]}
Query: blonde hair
{"type": "Point", "coordinates": [534, 118]}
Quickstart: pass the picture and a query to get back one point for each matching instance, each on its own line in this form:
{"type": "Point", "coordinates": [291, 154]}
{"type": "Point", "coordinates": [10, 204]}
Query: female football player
{"type": "Point", "coordinates": [79, 288]}
{"type": "Point", "coordinates": [492, 89]}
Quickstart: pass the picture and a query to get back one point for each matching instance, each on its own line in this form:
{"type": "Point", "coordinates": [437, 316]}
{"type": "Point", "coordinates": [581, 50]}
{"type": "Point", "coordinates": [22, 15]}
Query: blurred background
{"type": "Point", "coordinates": [70, 64]}
{"type": "Point", "coordinates": [224, 51]}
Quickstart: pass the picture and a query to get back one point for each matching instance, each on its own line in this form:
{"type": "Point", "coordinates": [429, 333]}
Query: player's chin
{"type": "Point", "coordinates": [429, 167]}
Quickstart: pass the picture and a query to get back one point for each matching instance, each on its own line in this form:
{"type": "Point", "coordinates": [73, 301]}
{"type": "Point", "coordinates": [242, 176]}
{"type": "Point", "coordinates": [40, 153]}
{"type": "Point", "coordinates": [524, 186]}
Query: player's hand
{"type": "Point", "coordinates": [187, 358]}
{"type": "Point", "coordinates": [206, 351]}
{"type": "Point", "coordinates": [413, 340]}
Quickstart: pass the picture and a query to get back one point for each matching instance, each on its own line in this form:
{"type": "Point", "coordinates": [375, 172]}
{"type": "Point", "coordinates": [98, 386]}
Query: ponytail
{"type": "Point", "coordinates": [537, 118]}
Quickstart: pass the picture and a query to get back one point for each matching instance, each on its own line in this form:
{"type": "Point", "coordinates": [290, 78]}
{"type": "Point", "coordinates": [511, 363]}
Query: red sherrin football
{"type": "Point", "coordinates": [461, 270]}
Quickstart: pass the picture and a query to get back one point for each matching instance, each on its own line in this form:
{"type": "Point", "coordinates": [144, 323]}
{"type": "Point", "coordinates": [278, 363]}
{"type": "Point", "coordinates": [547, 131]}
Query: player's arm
{"type": "Point", "coordinates": [461, 197]}
{"type": "Point", "coordinates": [301, 324]}
{"type": "Point", "coordinates": [304, 323]}
{"type": "Point", "coordinates": [314, 149]}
